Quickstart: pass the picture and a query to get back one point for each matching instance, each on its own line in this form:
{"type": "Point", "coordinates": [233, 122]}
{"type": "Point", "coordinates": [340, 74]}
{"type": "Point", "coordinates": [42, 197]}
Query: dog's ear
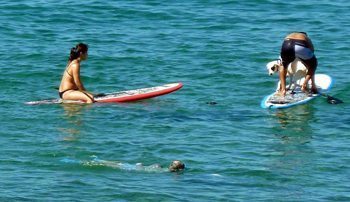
{"type": "Point", "coordinates": [274, 68]}
{"type": "Point", "coordinates": [270, 64]}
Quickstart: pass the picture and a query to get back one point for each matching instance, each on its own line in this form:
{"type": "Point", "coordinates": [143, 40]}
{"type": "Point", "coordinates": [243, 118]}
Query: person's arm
{"type": "Point", "coordinates": [283, 74]}
{"type": "Point", "coordinates": [78, 83]}
{"type": "Point", "coordinates": [76, 75]}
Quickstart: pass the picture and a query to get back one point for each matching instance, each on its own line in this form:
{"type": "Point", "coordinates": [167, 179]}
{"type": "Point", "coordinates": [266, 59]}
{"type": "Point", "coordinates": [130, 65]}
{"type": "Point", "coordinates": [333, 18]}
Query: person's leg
{"type": "Point", "coordinates": [283, 75]}
{"type": "Point", "coordinates": [91, 96]}
{"type": "Point", "coordinates": [310, 75]}
{"type": "Point", "coordinates": [287, 56]}
{"type": "Point", "coordinates": [311, 65]}
{"type": "Point", "coordinates": [78, 95]}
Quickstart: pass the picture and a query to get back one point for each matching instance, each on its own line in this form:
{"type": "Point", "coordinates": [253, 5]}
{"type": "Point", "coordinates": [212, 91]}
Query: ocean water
{"type": "Point", "coordinates": [233, 150]}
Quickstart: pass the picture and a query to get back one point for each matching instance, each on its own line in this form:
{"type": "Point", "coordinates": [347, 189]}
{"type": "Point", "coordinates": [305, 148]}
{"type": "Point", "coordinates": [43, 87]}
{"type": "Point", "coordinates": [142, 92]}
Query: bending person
{"type": "Point", "coordinates": [71, 87]}
{"type": "Point", "coordinates": [298, 45]}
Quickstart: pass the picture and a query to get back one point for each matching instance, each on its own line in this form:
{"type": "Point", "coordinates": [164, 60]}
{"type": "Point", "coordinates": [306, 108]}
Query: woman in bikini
{"type": "Point", "coordinates": [71, 87]}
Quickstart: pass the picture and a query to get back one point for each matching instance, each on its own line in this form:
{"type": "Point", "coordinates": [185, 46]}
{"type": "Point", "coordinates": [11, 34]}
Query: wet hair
{"type": "Point", "coordinates": [76, 51]}
{"type": "Point", "coordinates": [176, 166]}
{"type": "Point", "coordinates": [303, 33]}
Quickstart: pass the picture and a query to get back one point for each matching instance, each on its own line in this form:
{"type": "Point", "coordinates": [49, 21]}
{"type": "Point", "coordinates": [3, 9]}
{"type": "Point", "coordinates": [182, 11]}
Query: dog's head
{"type": "Point", "coordinates": [273, 66]}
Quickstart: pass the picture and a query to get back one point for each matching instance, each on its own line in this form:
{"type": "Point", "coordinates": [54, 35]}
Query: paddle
{"type": "Point", "coordinates": [100, 95]}
{"type": "Point", "coordinates": [332, 100]}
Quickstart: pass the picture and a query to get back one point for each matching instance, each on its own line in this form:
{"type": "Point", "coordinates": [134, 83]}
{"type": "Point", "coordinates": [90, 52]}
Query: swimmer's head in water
{"type": "Point", "coordinates": [176, 166]}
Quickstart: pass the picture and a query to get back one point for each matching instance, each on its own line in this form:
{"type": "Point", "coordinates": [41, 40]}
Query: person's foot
{"type": "Point", "coordinates": [281, 93]}
{"type": "Point", "coordinates": [314, 91]}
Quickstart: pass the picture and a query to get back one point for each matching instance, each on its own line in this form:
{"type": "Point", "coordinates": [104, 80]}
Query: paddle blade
{"type": "Point", "coordinates": [333, 100]}
{"type": "Point", "coordinates": [99, 95]}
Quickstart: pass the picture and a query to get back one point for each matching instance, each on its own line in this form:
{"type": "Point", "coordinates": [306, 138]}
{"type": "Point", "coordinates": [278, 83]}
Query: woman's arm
{"type": "Point", "coordinates": [76, 75]}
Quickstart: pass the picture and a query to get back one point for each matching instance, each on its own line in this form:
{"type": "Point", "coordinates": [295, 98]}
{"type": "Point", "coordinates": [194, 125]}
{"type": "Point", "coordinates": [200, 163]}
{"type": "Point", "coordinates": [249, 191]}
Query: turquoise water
{"type": "Point", "coordinates": [233, 150]}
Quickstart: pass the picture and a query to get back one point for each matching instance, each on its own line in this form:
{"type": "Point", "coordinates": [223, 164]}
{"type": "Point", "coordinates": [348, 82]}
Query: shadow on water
{"type": "Point", "coordinates": [292, 158]}
{"type": "Point", "coordinates": [74, 120]}
{"type": "Point", "coordinates": [293, 124]}
{"type": "Point", "coordinates": [72, 110]}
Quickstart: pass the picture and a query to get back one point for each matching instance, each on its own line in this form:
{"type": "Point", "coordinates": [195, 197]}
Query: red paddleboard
{"type": "Point", "coordinates": [121, 96]}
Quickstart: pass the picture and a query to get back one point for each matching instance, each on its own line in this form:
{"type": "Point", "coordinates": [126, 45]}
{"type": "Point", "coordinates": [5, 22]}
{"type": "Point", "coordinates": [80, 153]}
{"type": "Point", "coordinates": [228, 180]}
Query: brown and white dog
{"type": "Point", "coordinates": [296, 70]}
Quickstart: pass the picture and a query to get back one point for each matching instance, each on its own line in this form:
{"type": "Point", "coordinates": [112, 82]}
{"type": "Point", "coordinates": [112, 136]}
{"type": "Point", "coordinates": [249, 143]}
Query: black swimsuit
{"type": "Point", "coordinates": [289, 52]}
{"type": "Point", "coordinates": [61, 93]}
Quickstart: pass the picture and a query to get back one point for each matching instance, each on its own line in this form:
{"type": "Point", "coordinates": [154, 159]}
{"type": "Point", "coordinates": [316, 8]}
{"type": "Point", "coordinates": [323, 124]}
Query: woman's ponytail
{"type": "Point", "coordinates": [77, 50]}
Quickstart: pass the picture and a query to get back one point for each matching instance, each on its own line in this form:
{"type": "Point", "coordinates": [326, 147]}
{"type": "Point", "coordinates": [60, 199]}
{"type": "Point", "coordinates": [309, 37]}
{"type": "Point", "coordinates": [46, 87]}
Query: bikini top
{"type": "Point", "coordinates": [68, 72]}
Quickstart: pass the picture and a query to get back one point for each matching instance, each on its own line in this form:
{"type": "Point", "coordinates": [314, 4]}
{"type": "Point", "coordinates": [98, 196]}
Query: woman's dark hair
{"type": "Point", "coordinates": [76, 51]}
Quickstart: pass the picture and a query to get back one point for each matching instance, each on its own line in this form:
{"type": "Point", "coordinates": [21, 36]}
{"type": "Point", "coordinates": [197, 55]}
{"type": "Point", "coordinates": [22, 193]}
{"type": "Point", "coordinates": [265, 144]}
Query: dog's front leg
{"type": "Point", "coordinates": [278, 86]}
{"type": "Point", "coordinates": [290, 82]}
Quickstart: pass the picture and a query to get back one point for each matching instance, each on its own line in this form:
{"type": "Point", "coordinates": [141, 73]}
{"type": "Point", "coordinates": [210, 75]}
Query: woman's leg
{"type": "Point", "coordinates": [311, 65]}
{"type": "Point", "coordinates": [78, 95]}
{"type": "Point", "coordinates": [309, 76]}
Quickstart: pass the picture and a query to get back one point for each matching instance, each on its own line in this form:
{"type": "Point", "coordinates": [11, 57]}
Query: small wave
{"type": "Point", "coordinates": [96, 162]}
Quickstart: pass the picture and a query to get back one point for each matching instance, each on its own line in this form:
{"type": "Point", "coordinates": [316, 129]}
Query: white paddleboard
{"type": "Point", "coordinates": [297, 97]}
